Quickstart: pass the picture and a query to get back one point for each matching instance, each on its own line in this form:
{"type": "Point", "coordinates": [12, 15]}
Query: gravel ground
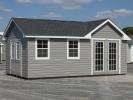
{"type": "Point", "coordinates": [118, 87]}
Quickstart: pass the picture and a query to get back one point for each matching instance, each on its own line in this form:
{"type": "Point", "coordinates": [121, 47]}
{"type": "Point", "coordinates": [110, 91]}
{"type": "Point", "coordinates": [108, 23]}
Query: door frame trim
{"type": "Point", "coordinates": [92, 60]}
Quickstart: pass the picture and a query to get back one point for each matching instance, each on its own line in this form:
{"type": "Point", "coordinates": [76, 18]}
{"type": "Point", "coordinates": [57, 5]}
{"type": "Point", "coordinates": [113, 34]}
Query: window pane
{"type": "Point", "coordinates": [42, 52]}
{"type": "Point", "coordinates": [45, 46]}
{"type": "Point", "coordinates": [13, 54]}
{"type": "Point", "coordinates": [112, 56]}
{"type": "Point", "coordinates": [18, 50]}
{"type": "Point", "coordinates": [39, 46]}
{"type": "Point", "coordinates": [71, 46]}
{"type": "Point", "coordinates": [70, 54]}
{"type": "Point", "coordinates": [76, 46]}
{"type": "Point", "coordinates": [45, 53]}
{"type": "Point", "coordinates": [75, 55]}
{"type": "Point", "coordinates": [76, 42]}
{"type": "Point", "coordinates": [45, 41]}
{"type": "Point", "coordinates": [99, 56]}
{"type": "Point", "coordinates": [39, 41]}
{"type": "Point", "coordinates": [39, 52]}
{"type": "Point", "coordinates": [71, 42]}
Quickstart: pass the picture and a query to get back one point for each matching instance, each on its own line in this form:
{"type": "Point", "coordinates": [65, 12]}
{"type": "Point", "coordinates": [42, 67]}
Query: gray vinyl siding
{"type": "Point", "coordinates": [106, 31]}
{"type": "Point", "coordinates": [58, 64]}
{"type": "Point", "coordinates": [124, 47]}
{"type": "Point", "coordinates": [8, 57]}
{"type": "Point", "coordinates": [15, 35]}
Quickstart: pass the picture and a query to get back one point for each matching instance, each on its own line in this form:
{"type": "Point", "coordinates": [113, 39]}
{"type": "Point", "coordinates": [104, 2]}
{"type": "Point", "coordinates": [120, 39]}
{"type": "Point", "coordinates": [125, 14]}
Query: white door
{"type": "Point", "coordinates": [15, 58]}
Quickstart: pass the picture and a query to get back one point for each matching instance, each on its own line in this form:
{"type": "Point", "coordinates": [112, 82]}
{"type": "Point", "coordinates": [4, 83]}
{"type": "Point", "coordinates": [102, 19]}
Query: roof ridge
{"type": "Point", "coordinates": [60, 20]}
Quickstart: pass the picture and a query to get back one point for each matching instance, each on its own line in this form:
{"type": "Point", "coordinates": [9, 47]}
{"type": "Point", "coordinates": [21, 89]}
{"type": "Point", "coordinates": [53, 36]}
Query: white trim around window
{"type": "Point", "coordinates": [12, 50]}
{"type": "Point", "coordinates": [18, 50]}
{"type": "Point", "coordinates": [78, 57]}
{"type": "Point", "coordinates": [48, 50]}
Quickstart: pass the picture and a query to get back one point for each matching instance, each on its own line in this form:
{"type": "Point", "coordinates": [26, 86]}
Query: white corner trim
{"type": "Point", "coordinates": [42, 58]}
{"type": "Point", "coordinates": [1, 51]}
{"type": "Point", "coordinates": [125, 37]}
{"type": "Point", "coordinates": [92, 56]}
{"type": "Point", "coordinates": [68, 49]}
{"type": "Point", "coordinates": [10, 56]}
{"type": "Point", "coordinates": [21, 57]}
{"type": "Point", "coordinates": [119, 56]}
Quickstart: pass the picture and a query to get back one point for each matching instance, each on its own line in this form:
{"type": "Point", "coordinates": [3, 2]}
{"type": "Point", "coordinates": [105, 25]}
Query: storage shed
{"type": "Point", "coordinates": [39, 48]}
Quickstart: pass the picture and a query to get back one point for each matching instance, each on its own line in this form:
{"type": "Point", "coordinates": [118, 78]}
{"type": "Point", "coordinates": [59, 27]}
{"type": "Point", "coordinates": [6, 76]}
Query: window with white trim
{"type": "Point", "coordinates": [42, 49]}
{"type": "Point", "coordinates": [12, 51]}
{"type": "Point", "coordinates": [73, 49]}
{"type": "Point", "coordinates": [17, 50]}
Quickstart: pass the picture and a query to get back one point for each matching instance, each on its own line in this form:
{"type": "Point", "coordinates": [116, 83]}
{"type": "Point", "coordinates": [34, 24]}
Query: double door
{"type": "Point", "coordinates": [106, 56]}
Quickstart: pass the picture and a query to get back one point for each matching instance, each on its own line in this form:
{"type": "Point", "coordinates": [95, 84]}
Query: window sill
{"type": "Point", "coordinates": [73, 58]}
{"type": "Point", "coordinates": [47, 58]}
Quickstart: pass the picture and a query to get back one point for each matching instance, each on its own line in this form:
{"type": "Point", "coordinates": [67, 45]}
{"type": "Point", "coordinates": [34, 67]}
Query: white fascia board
{"type": "Point", "coordinates": [125, 37]}
{"type": "Point", "coordinates": [7, 27]}
{"type": "Point", "coordinates": [90, 33]}
{"type": "Point", "coordinates": [11, 20]}
{"type": "Point", "coordinates": [67, 37]}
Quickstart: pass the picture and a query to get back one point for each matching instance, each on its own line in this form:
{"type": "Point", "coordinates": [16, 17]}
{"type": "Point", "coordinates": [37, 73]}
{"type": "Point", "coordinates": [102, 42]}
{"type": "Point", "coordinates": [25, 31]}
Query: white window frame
{"type": "Point", "coordinates": [17, 50]}
{"type": "Point", "coordinates": [68, 49]}
{"type": "Point", "coordinates": [42, 58]}
{"type": "Point", "coordinates": [12, 58]}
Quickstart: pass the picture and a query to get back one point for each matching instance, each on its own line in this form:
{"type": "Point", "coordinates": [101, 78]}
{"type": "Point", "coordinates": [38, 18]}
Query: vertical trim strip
{"type": "Point", "coordinates": [91, 56]}
{"type": "Point", "coordinates": [21, 59]}
{"type": "Point", "coordinates": [119, 56]}
{"type": "Point", "coordinates": [10, 55]}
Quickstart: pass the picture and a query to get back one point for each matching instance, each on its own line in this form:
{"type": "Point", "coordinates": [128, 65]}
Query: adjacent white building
{"type": "Point", "coordinates": [130, 50]}
{"type": "Point", "coordinates": [2, 47]}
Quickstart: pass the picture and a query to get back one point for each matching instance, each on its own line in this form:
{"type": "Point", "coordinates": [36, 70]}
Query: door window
{"type": "Point", "coordinates": [112, 56]}
{"type": "Point", "coordinates": [99, 56]}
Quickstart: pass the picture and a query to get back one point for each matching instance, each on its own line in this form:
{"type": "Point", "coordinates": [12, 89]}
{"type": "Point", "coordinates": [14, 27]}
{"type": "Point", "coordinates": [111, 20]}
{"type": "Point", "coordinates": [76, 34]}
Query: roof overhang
{"type": "Point", "coordinates": [9, 24]}
{"type": "Point", "coordinates": [124, 35]}
{"type": "Point", "coordinates": [88, 36]}
{"type": "Point", "coordinates": [70, 37]}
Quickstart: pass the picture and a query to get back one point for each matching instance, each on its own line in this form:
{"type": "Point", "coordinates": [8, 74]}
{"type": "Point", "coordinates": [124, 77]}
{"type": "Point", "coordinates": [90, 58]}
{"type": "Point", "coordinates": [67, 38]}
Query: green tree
{"type": "Point", "coordinates": [128, 30]}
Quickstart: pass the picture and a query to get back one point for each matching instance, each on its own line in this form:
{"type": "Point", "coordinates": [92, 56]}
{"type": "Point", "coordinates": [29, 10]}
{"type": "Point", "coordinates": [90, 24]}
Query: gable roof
{"type": "Point", "coordinates": [42, 28]}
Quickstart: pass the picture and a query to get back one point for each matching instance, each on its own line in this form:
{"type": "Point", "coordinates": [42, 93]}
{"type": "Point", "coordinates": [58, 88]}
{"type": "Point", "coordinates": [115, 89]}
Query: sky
{"type": "Point", "coordinates": [119, 11]}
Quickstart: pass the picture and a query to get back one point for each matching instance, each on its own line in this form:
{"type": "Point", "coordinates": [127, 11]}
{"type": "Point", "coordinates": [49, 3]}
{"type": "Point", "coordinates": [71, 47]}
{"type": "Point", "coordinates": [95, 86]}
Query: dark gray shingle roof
{"type": "Point", "coordinates": [42, 27]}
